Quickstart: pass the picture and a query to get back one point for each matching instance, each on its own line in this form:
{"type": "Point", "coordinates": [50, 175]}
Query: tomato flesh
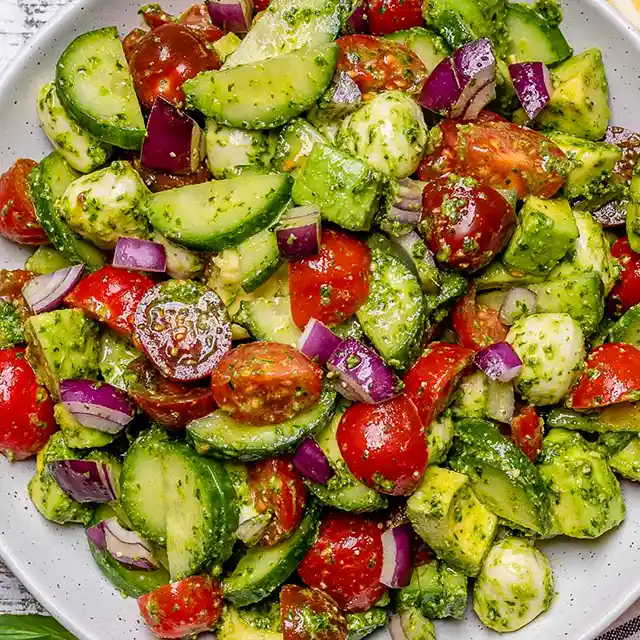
{"type": "Point", "coordinates": [388, 16]}
{"type": "Point", "coordinates": [527, 432]}
{"type": "Point", "coordinates": [626, 292]}
{"type": "Point", "coordinates": [310, 614]}
{"type": "Point", "coordinates": [477, 325]}
{"type": "Point", "coordinates": [197, 18]}
{"type": "Point", "coordinates": [12, 283]}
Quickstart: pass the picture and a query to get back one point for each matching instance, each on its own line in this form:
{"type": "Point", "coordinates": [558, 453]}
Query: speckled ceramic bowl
{"type": "Point", "coordinates": [595, 581]}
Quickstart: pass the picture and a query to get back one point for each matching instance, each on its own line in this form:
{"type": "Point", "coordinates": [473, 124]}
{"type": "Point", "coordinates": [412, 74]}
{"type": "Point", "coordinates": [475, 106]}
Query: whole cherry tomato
{"type": "Point", "coordinates": [310, 614]}
{"type": "Point", "coordinates": [387, 16]}
{"type": "Point", "coordinates": [183, 608]}
{"type": "Point", "coordinates": [164, 59]}
{"type": "Point", "coordinates": [527, 431]}
{"type": "Point", "coordinates": [431, 380]}
{"type": "Point", "coordinates": [265, 382]}
{"type": "Point", "coordinates": [477, 325]}
{"type": "Point", "coordinates": [26, 410]}
{"type": "Point", "coordinates": [626, 292]}
{"type": "Point", "coordinates": [277, 487]}
{"type": "Point", "coordinates": [346, 561]}
{"type": "Point", "coordinates": [18, 221]}
{"type": "Point", "coordinates": [385, 445]}
{"type": "Point", "coordinates": [465, 223]}
{"type": "Point", "coordinates": [331, 286]}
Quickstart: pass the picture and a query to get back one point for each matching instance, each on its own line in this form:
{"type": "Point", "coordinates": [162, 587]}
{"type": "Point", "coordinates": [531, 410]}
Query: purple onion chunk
{"type": "Point", "coordinates": [532, 83]}
{"type": "Point", "coordinates": [342, 98]}
{"type": "Point", "coordinates": [84, 480]}
{"type": "Point", "coordinates": [318, 342]}
{"type": "Point", "coordinates": [231, 15]}
{"type": "Point", "coordinates": [357, 21]}
{"type": "Point", "coordinates": [475, 67]}
{"type": "Point", "coordinates": [126, 547]}
{"type": "Point", "coordinates": [396, 557]}
{"type": "Point", "coordinates": [499, 362]}
{"type": "Point", "coordinates": [442, 89]}
{"type": "Point", "coordinates": [311, 461]}
{"type": "Point", "coordinates": [480, 101]}
{"type": "Point", "coordinates": [140, 255]}
{"type": "Point", "coordinates": [46, 293]}
{"type": "Point", "coordinates": [299, 233]}
{"type": "Point", "coordinates": [612, 214]}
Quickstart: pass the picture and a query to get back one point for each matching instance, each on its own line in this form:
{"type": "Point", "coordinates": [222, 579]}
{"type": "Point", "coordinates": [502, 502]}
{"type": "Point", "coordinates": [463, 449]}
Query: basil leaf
{"type": "Point", "coordinates": [32, 628]}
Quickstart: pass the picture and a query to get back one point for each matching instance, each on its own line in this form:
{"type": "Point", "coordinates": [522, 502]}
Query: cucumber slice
{"type": "Point", "coordinates": [627, 328]}
{"type": "Point", "coordinates": [220, 436]}
{"type": "Point", "coordinates": [220, 214]}
{"type": "Point", "coordinates": [269, 319]}
{"type": "Point", "coordinates": [295, 143]}
{"type": "Point", "coordinates": [259, 259]}
{"type": "Point", "coordinates": [262, 570]}
{"type": "Point", "coordinates": [280, 88]}
{"type": "Point", "coordinates": [426, 44]}
{"type": "Point", "coordinates": [95, 87]}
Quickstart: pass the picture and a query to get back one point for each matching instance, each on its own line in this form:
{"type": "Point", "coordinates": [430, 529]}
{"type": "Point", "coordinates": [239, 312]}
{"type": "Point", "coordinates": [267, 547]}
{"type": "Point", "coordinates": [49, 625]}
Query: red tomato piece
{"type": "Point", "coordinates": [346, 561]}
{"type": "Point", "coordinates": [111, 295]}
{"type": "Point", "coordinates": [477, 325]}
{"type": "Point", "coordinates": [331, 286]}
{"type": "Point", "coordinates": [467, 224]}
{"type": "Point", "coordinates": [157, 181]}
{"type": "Point", "coordinates": [612, 375]}
{"type": "Point", "coordinates": [18, 221]}
{"type": "Point", "coordinates": [197, 17]}
{"type": "Point", "coordinates": [183, 608]}
{"type": "Point", "coordinates": [277, 487]}
{"type": "Point", "coordinates": [385, 445]}
{"type": "Point", "coordinates": [26, 409]}
{"type": "Point", "coordinates": [626, 292]}
{"type": "Point", "coordinates": [131, 41]}
{"type": "Point", "coordinates": [12, 283]}
{"type": "Point", "coordinates": [527, 431]}
{"type": "Point", "coordinates": [155, 16]}
{"type": "Point", "coordinates": [387, 16]}
{"type": "Point", "coordinates": [165, 58]}
{"type": "Point", "coordinates": [378, 65]}
{"type": "Point", "coordinates": [431, 380]}
{"type": "Point", "coordinates": [310, 614]}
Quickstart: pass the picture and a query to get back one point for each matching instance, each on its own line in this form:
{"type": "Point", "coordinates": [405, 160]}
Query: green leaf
{"type": "Point", "coordinates": [32, 628]}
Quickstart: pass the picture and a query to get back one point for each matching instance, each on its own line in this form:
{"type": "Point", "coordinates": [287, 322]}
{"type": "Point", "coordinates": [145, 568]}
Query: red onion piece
{"type": "Point", "coordinates": [250, 531]}
{"type": "Point", "coordinates": [342, 98]}
{"type": "Point", "coordinates": [311, 461]}
{"type": "Point", "coordinates": [532, 83]}
{"type": "Point", "coordinates": [612, 214]}
{"type": "Point", "coordinates": [357, 21]}
{"type": "Point", "coordinates": [174, 142]}
{"type": "Point", "coordinates": [299, 233]}
{"type": "Point", "coordinates": [84, 480]}
{"type": "Point", "coordinates": [396, 557]}
{"type": "Point", "coordinates": [442, 89]}
{"type": "Point", "coordinates": [97, 405]}
{"type": "Point", "coordinates": [406, 207]}
{"type": "Point", "coordinates": [480, 101]}
{"type": "Point", "coordinates": [362, 376]}
{"type": "Point", "coordinates": [519, 302]}
{"type": "Point", "coordinates": [475, 67]}
{"type": "Point", "coordinates": [140, 255]}
{"type": "Point", "coordinates": [47, 292]}
{"type": "Point", "coordinates": [127, 547]}
{"type": "Point", "coordinates": [499, 362]}
{"type": "Point", "coordinates": [318, 342]}
{"type": "Point", "coordinates": [231, 15]}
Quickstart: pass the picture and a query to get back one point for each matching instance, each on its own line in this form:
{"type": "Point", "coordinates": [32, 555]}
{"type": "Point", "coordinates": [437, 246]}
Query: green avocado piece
{"type": "Point", "coordinates": [46, 260]}
{"type": "Point", "coordinates": [626, 460]}
{"type": "Point", "coordinates": [239, 624]}
{"type": "Point", "coordinates": [498, 276]}
{"type": "Point", "coordinates": [627, 329]}
{"type": "Point", "coordinates": [75, 435]}
{"type": "Point", "coordinates": [361, 625]}
{"type": "Point", "coordinates": [633, 212]}
{"type": "Point", "coordinates": [11, 332]}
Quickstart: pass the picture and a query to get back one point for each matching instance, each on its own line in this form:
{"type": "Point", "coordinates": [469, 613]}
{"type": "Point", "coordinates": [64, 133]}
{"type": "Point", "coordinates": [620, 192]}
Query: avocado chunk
{"type": "Point", "coordinates": [344, 188]}
{"type": "Point", "coordinates": [75, 435]}
{"type": "Point", "coordinates": [627, 328]}
{"type": "Point", "coordinates": [116, 354]}
{"type": "Point", "coordinates": [446, 514]}
{"type": "Point", "coordinates": [586, 500]}
{"type": "Point", "coordinates": [498, 276]}
{"type": "Point", "coordinates": [60, 345]}
{"type": "Point", "coordinates": [544, 234]}
{"type": "Point", "coordinates": [46, 260]}
{"type": "Point", "coordinates": [226, 45]}
{"type": "Point", "coordinates": [294, 145]}
{"type": "Point", "coordinates": [624, 458]}
{"type": "Point", "coordinates": [244, 624]}
{"type": "Point", "coordinates": [633, 213]}
{"type": "Point", "coordinates": [11, 332]}
{"type": "Point", "coordinates": [361, 625]}
{"type": "Point", "coordinates": [579, 103]}
{"type": "Point", "coordinates": [440, 437]}
{"type": "Point", "coordinates": [621, 417]}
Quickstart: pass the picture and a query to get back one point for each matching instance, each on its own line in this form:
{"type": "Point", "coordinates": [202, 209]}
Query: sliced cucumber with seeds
{"type": "Point", "coordinates": [269, 319]}
{"type": "Point", "coordinates": [259, 259]}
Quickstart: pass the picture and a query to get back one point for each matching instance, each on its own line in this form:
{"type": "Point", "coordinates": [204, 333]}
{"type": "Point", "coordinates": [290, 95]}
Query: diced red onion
{"type": "Point", "coordinates": [396, 557]}
{"type": "Point", "coordinates": [140, 255]}
{"type": "Point", "coordinates": [362, 376]}
{"type": "Point", "coordinates": [342, 98]}
{"type": "Point", "coordinates": [231, 15]}
{"type": "Point", "coordinates": [174, 142]}
{"type": "Point", "coordinates": [318, 342]}
{"type": "Point", "coordinates": [532, 83]}
{"type": "Point", "coordinates": [416, 256]}
{"type": "Point", "coordinates": [442, 89]}
{"type": "Point", "coordinates": [480, 101]}
{"type": "Point", "coordinates": [47, 292]}
{"type": "Point", "coordinates": [97, 405]}
{"type": "Point", "coordinates": [501, 401]}
{"type": "Point", "coordinates": [519, 302]}
{"type": "Point", "coordinates": [299, 233]}
{"type": "Point", "coordinates": [499, 362]}
{"type": "Point", "coordinates": [611, 214]}
{"type": "Point", "coordinates": [475, 67]}
{"type": "Point", "coordinates": [311, 461]}
{"type": "Point", "coordinates": [396, 628]}
{"type": "Point", "coordinates": [84, 480]}
{"type": "Point", "coordinates": [357, 21]}
{"type": "Point", "coordinates": [250, 531]}
{"type": "Point", "coordinates": [407, 205]}
{"type": "Point", "coordinates": [127, 547]}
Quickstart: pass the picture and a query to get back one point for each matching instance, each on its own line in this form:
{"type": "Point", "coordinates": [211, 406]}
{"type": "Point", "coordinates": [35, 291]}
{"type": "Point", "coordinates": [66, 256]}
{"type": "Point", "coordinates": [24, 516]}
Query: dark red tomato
{"type": "Point", "coordinates": [277, 487]}
{"type": "Point", "coordinates": [385, 445]}
{"type": "Point", "coordinates": [378, 65]}
{"type": "Point", "coordinates": [18, 221]}
{"type": "Point", "coordinates": [466, 224]}
{"type": "Point", "coordinates": [197, 18]}
{"type": "Point", "coordinates": [12, 283]}
{"type": "Point", "coordinates": [431, 380]}
{"type": "Point", "coordinates": [111, 296]}
{"type": "Point", "coordinates": [165, 58]}
{"type": "Point", "coordinates": [265, 382]}
{"type": "Point", "coordinates": [331, 286]}
{"type": "Point", "coordinates": [26, 409]}
{"type": "Point", "coordinates": [157, 181]}
{"type": "Point", "coordinates": [131, 41]}
{"type": "Point", "coordinates": [310, 614]}
{"type": "Point", "coordinates": [626, 292]}
{"type": "Point", "coordinates": [261, 5]}
{"type": "Point", "coordinates": [183, 608]}
{"type": "Point", "coordinates": [499, 154]}
{"type": "Point", "coordinates": [477, 325]}
{"type": "Point", "coordinates": [346, 561]}
{"type": "Point", "coordinates": [612, 375]}
{"type": "Point", "coordinates": [387, 16]}
{"type": "Point", "coordinates": [527, 431]}
{"type": "Point", "coordinates": [155, 16]}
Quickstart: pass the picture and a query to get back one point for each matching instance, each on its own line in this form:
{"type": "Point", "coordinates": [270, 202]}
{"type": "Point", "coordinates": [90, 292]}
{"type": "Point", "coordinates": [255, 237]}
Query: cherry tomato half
{"type": "Point", "coordinates": [387, 16]}
{"type": "Point", "coordinates": [310, 614]}
{"type": "Point", "coordinates": [277, 487]}
{"type": "Point", "coordinates": [626, 292]}
{"type": "Point", "coordinates": [265, 382]}
{"type": "Point", "coordinates": [18, 221]}
{"type": "Point", "coordinates": [527, 431]}
{"type": "Point", "coordinates": [26, 410]}
{"type": "Point", "coordinates": [183, 608]}
{"type": "Point", "coordinates": [385, 445]}
{"type": "Point", "coordinates": [477, 325]}
{"type": "Point", "coordinates": [346, 561]}
{"type": "Point", "coordinates": [331, 286]}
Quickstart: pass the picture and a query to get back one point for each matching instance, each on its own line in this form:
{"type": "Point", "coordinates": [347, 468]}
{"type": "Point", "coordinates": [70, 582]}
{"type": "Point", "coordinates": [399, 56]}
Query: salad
{"type": "Point", "coordinates": [333, 314]}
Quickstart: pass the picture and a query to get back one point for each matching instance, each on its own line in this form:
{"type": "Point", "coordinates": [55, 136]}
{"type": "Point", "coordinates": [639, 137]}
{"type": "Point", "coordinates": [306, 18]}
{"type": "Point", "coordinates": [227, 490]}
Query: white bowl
{"type": "Point", "coordinates": [596, 581]}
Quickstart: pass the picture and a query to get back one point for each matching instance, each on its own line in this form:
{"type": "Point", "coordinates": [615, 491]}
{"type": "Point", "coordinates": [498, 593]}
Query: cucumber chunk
{"type": "Point", "coordinates": [269, 319]}
{"type": "Point", "coordinates": [627, 329]}
{"type": "Point", "coordinates": [294, 145]}
{"type": "Point", "coordinates": [622, 417]}
{"type": "Point", "coordinates": [426, 44]}
{"type": "Point", "coordinates": [96, 88]}
{"type": "Point", "coordinates": [46, 260]}
{"type": "Point", "coordinates": [259, 259]}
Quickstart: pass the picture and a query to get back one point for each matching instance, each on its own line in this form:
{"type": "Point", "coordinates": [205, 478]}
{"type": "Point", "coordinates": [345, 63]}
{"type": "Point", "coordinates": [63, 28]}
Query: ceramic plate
{"type": "Point", "coordinates": [595, 581]}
